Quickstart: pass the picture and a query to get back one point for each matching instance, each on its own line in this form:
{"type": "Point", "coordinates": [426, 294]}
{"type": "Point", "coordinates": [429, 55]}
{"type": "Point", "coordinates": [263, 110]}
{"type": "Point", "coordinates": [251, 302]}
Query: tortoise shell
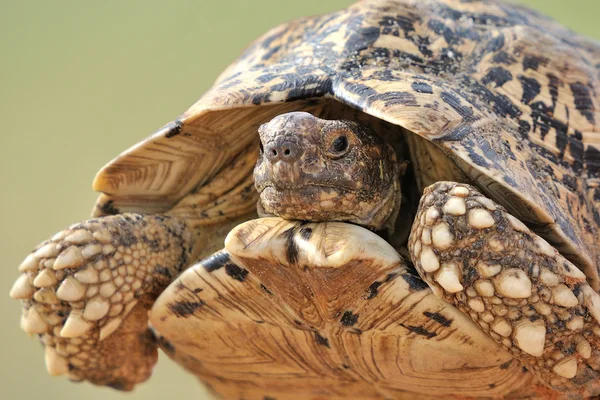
{"type": "Point", "coordinates": [505, 92]}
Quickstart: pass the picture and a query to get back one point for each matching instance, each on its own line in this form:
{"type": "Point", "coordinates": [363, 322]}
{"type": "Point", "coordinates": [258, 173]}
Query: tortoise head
{"type": "Point", "coordinates": [319, 170]}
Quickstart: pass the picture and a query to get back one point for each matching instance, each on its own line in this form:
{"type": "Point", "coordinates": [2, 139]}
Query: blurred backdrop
{"type": "Point", "coordinates": [80, 82]}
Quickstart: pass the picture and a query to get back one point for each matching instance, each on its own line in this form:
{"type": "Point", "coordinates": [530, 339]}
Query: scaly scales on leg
{"type": "Point", "coordinates": [86, 293]}
{"type": "Point", "coordinates": [511, 282]}
{"type": "Point", "coordinates": [87, 290]}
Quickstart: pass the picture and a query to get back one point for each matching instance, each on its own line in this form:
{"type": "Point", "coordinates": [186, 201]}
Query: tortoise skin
{"type": "Point", "coordinates": [508, 94]}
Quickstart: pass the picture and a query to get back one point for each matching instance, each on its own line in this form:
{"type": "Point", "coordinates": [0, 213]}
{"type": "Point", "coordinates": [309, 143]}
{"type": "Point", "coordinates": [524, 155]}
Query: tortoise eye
{"type": "Point", "coordinates": [338, 147]}
{"type": "Point", "coordinates": [340, 144]}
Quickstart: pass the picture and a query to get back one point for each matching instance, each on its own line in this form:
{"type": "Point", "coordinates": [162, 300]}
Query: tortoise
{"type": "Point", "coordinates": [428, 175]}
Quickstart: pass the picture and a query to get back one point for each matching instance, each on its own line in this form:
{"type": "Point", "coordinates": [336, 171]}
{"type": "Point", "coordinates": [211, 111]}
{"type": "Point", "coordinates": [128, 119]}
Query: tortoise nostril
{"type": "Point", "coordinates": [283, 150]}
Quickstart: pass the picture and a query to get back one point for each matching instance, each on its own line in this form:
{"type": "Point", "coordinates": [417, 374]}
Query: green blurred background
{"type": "Point", "coordinates": [80, 82]}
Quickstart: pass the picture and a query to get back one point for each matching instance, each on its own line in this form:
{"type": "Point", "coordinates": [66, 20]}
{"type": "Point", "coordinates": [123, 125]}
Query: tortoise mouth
{"type": "Point", "coordinates": [286, 187]}
{"type": "Point", "coordinates": [298, 195]}
{"type": "Point", "coordinates": [327, 202]}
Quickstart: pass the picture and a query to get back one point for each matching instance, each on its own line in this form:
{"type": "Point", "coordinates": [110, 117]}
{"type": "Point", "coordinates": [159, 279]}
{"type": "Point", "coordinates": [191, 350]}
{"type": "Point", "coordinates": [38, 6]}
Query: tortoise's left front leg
{"type": "Point", "coordinates": [511, 282]}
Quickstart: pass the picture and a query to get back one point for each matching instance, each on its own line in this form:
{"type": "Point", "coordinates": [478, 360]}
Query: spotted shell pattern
{"type": "Point", "coordinates": [506, 92]}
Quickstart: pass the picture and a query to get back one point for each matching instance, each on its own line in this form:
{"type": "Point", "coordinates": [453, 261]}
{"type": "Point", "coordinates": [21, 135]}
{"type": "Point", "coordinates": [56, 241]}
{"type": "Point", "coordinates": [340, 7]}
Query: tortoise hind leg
{"type": "Point", "coordinates": [86, 293]}
{"type": "Point", "coordinates": [512, 283]}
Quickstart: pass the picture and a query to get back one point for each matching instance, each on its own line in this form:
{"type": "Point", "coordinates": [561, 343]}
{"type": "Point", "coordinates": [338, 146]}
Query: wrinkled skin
{"type": "Point", "coordinates": [317, 170]}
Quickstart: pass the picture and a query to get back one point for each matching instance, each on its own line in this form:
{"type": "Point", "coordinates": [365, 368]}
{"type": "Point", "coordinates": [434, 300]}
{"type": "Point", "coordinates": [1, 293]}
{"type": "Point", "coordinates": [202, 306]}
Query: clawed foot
{"type": "Point", "coordinates": [511, 282]}
{"type": "Point", "coordinates": [87, 290]}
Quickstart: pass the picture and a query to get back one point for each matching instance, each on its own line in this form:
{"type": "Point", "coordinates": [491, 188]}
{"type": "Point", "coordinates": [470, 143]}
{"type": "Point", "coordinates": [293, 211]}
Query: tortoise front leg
{"type": "Point", "coordinates": [86, 293]}
{"type": "Point", "coordinates": [511, 282]}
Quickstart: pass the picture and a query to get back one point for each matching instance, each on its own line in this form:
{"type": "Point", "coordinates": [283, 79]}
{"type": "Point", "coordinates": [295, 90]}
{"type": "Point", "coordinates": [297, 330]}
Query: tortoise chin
{"type": "Point", "coordinates": [327, 203]}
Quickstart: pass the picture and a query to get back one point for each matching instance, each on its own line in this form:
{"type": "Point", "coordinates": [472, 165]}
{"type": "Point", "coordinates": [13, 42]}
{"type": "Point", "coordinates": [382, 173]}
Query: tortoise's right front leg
{"type": "Point", "coordinates": [78, 288]}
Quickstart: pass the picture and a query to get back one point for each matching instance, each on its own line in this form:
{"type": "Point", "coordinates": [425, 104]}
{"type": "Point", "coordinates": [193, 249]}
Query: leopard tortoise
{"type": "Point", "coordinates": [428, 175]}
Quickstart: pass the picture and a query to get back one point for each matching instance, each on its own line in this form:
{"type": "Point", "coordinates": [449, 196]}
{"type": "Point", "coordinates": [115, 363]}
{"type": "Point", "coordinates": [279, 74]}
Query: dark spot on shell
{"type": "Point", "coordinates": [362, 39]}
{"type": "Point", "coordinates": [391, 276]}
{"type": "Point", "coordinates": [300, 86]}
{"type": "Point", "coordinates": [570, 182]}
{"type": "Point", "coordinates": [495, 44]}
{"type": "Point", "coordinates": [422, 87]}
{"type": "Point", "coordinates": [166, 345]}
{"type": "Point", "coordinates": [441, 29]}
{"type": "Point", "coordinates": [391, 24]}
{"type": "Point", "coordinates": [592, 159]}
{"type": "Point", "coordinates": [531, 88]}
{"type": "Point", "coordinates": [533, 62]}
{"type": "Point", "coordinates": [349, 319]}
{"type": "Point", "coordinates": [185, 308]}
{"type": "Point", "coordinates": [458, 133]}
{"type": "Point", "coordinates": [109, 208]}
{"type": "Point", "coordinates": [414, 282]}
{"type": "Point", "coordinates": [323, 341]}
{"type": "Point", "coordinates": [306, 233]}
{"type": "Point", "coordinates": [173, 129]}
{"type": "Point", "coordinates": [237, 273]}
{"type": "Point", "coordinates": [266, 289]}
{"type": "Point", "coordinates": [373, 290]}
{"type": "Point", "coordinates": [455, 103]}
{"type": "Point", "coordinates": [439, 318]}
{"type": "Point", "coordinates": [419, 330]}
{"type": "Point", "coordinates": [502, 57]}
{"type": "Point", "coordinates": [396, 98]}
{"type": "Point", "coordinates": [506, 364]}
{"type": "Point", "coordinates": [498, 75]}
{"type": "Point", "coordinates": [524, 128]}
{"type": "Point", "coordinates": [362, 91]}
{"type": "Point", "coordinates": [216, 261]}
{"type": "Point", "coordinates": [576, 148]}
{"type": "Point", "coordinates": [291, 249]}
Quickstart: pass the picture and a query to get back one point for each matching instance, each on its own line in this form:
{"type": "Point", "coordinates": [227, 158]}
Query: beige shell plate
{"type": "Point", "coordinates": [292, 309]}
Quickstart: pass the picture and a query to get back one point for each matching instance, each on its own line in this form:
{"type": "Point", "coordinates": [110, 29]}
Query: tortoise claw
{"type": "Point", "coordinates": [511, 282]}
{"type": "Point", "coordinates": [87, 291]}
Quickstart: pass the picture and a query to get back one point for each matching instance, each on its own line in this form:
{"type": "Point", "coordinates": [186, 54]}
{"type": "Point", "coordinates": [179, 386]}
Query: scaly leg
{"type": "Point", "coordinates": [511, 282]}
{"type": "Point", "coordinates": [79, 287]}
